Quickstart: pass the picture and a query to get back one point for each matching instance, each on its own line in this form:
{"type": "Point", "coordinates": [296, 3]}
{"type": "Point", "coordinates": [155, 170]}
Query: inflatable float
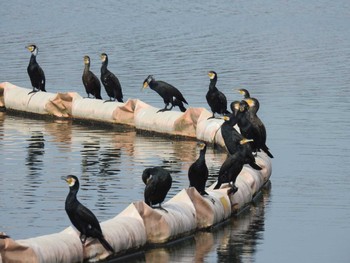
{"type": "Point", "coordinates": [137, 225]}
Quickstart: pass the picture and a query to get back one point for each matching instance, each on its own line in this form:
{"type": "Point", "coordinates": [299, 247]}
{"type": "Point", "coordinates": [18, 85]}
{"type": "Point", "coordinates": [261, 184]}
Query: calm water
{"type": "Point", "coordinates": [294, 56]}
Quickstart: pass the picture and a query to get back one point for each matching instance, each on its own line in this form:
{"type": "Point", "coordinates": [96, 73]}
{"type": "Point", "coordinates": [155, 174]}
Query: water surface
{"type": "Point", "coordinates": [294, 56]}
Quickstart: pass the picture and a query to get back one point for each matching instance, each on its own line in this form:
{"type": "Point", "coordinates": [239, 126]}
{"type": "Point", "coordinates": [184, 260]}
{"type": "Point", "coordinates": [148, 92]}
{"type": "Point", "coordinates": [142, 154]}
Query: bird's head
{"type": "Point", "coordinates": [147, 81]}
{"type": "Point", "coordinates": [33, 49]}
{"type": "Point", "coordinates": [202, 145]}
{"type": "Point", "coordinates": [103, 57]}
{"type": "Point", "coordinates": [235, 106]}
{"type": "Point", "coordinates": [243, 106]}
{"type": "Point", "coordinates": [86, 60]}
{"type": "Point", "coordinates": [244, 92]}
{"type": "Point", "coordinates": [147, 176]}
{"type": "Point", "coordinates": [71, 180]}
{"type": "Point", "coordinates": [212, 74]}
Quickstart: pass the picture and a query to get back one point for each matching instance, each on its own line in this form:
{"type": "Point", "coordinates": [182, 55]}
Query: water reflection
{"type": "Point", "coordinates": [234, 241]}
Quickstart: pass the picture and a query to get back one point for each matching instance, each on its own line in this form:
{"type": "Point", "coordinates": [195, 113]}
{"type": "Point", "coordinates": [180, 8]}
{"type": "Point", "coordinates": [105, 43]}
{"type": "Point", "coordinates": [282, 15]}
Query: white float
{"type": "Point", "coordinates": [138, 224]}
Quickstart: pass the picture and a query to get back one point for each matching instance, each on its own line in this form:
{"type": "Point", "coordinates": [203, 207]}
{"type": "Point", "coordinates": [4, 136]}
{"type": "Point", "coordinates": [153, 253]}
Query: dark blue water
{"type": "Point", "coordinates": [294, 56]}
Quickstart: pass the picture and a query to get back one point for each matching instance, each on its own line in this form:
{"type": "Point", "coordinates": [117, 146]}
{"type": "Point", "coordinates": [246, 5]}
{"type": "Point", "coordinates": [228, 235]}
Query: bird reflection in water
{"type": "Point", "coordinates": [36, 150]}
{"type": "Point", "coordinates": [233, 241]}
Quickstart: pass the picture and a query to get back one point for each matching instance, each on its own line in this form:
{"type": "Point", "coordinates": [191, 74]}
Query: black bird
{"type": "Point", "coordinates": [91, 83]}
{"type": "Point", "coordinates": [81, 217]}
{"type": "Point", "coordinates": [231, 168]}
{"type": "Point", "coordinates": [35, 72]}
{"type": "Point", "coordinates": [216, 99]}
{"type": "Point", "coordinates": [234, 107]}
{"type": "Point", "coordinates": [258, 125]}
{"type": "Point", "coordinates": [169, 93]}
{"type": "Point", "coordinates": [110, 81]}
{"type": "Point", "coordinates": [198, 171]}
{"type": "Point", "coordinates": [248, 130]}
{"type": "Point", "coordinates": [232, 138]}
{"type": "Point", "coordinates": [158, 183]}
{"type": "Point", "coordinates": [244, 92]}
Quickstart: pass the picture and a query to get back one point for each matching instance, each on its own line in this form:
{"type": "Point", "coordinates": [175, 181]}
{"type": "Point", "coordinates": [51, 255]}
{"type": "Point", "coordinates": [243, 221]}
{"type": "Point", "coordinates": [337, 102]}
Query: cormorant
{"type": "Point", "coordinates": [90, 81]}
{"type": "Point", "coordinates": [158, 183]}
{"type": "Point", "coordinates": [258, 124]}
{"type": "Point", "coordinates": [198, 171]}
{"type": "Point", "coordinates": [81, 217]}
{"type": "Point", "coordinates": [216, 99]}
{"type": "Point", "coordinates": [110, 81]}
{"type": "Point", "coordinates": [231, 168]}
{"type": "Point", "coordinates": [248, 130]}
{"type": "Point", "coordinates": [232, 137]}
{"type": "Point", "coordinates": [169, 93]}
{"type": "Point", "coordinates": [234, 107]}
{"type": "Point", "coordinates": [244, 92]}
{"type": "Point", "coordinates": [35, 72]}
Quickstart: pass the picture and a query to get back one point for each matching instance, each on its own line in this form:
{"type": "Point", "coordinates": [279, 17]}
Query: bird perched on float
{"type": "Point", "coordinates": [91, 83]}
{"type": "Point", "coordinates": [231, 168]}
{"type": "Point", "coordinates": [216, 99]}
{"type": "Point", "coordinates": [35, 72]}
{"type": "Point", "coordinates": [81, 217]}
{"type": "Point", "coordinates": [251, 129]}
{"type": "Point", "coordinates": [158, 183]}
{"type": "Point", "coordinates": [110, 81]}
{"type": "Point", "coordinates": [169, 93]}
{"type": "Point", "coordinates": [234, 107]}
{"type": "Point", "coordinates": [198, 171]}
{"type": "Point", "coordinates": [231, 138]}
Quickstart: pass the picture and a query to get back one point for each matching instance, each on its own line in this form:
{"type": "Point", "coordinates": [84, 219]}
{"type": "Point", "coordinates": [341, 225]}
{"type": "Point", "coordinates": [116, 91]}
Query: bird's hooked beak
{"type": "Point", "coordinates": [145, 85]}
{"type": "Point", "coordinates": [70, 181]}
{"type": "Point", "coordinates": [240, 91]}
{"type": "Point", "coordinates": [211, 75]}
{"type": "Point", "coordinates": [245, 140]}
{"type": "Point", "coordinates": [103, 57]}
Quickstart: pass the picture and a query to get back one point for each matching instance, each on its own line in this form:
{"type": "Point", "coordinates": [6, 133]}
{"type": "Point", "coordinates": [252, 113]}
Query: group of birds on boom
{"type": "Point", "coordinates": [242, 147]}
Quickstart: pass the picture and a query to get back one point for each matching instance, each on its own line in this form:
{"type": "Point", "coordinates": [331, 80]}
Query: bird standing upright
{"type": "Point", "coordinates": [91, 83]}
{"type": "Point", "coordinates": [81, 217]}
{"type": "Point", "coordinates": [158, 183]}
{"type": "Point", "coordinates": [231, 168]}
{"type": "Point", "coordinates": [110, 81]}
{"type": "Point", "coordinates": [198, 171]}
{"type": "Point", "coordinates": [35, 72]}
{"type": "Point", "coordinates": [216, 99]}
{"type": "Point", "coordinates": [169, 93]}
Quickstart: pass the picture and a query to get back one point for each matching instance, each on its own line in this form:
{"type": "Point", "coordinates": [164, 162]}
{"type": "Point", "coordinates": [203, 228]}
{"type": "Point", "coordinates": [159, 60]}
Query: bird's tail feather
{"type": "Point", "coordinates": [106, 245]}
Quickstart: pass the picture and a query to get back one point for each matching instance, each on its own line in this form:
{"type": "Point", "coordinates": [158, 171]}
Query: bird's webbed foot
{"type": "Point", "coordinates": [212, 117]}
{"type": "Point", "coordinates": [162, 110]}
{"type": "Point", "coordinates": [161, 208]}
{"type": "Point", "coordinates": [33, 91]}
{"type": "Point", "coordinates": [232, 190]}
{"type": "Point", "coordinates": [110, 100]}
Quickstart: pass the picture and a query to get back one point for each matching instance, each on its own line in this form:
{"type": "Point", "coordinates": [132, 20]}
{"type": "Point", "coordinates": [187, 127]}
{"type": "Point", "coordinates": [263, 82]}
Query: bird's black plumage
{"type": "Point", "coordinates": [198, 171]}
{"type": "Point", "coordinates": [216, 99]}
{"type": "Point", "coordinates": [110, 81]}
{"type": "Point", "coordinates": [232, 138]}
{"type": "Point", "coordinates": [158, 183]}
{"type": "Point", "coordinates": [35, 72]}
{"type": "Point", "coordinates": [169, 93]}
{"type": "Point", "coordinates": [258, 125]}
{"type": "Point", "coordinates": [230, 169]}
{"type": "Point", "coordinates": [91, 83]}
{"type": "Point", "coordinates": [81, 217]}
{"type": "Point", "coordinates": [248, 130]}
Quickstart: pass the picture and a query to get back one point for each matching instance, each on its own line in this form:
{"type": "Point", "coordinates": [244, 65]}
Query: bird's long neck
{"type": "Point", "coordinates": [202, 154]}
{"type": "Point", "coordinates": [212, 85]}
{"type": "Point", "coordinates": [71, 197]}
{"type": "Point", "coordinates": [87, 67]}
{"type": "Point", "coordinates": [32, 59]}
{"type": "Point", "coordinates": [104, 66]}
